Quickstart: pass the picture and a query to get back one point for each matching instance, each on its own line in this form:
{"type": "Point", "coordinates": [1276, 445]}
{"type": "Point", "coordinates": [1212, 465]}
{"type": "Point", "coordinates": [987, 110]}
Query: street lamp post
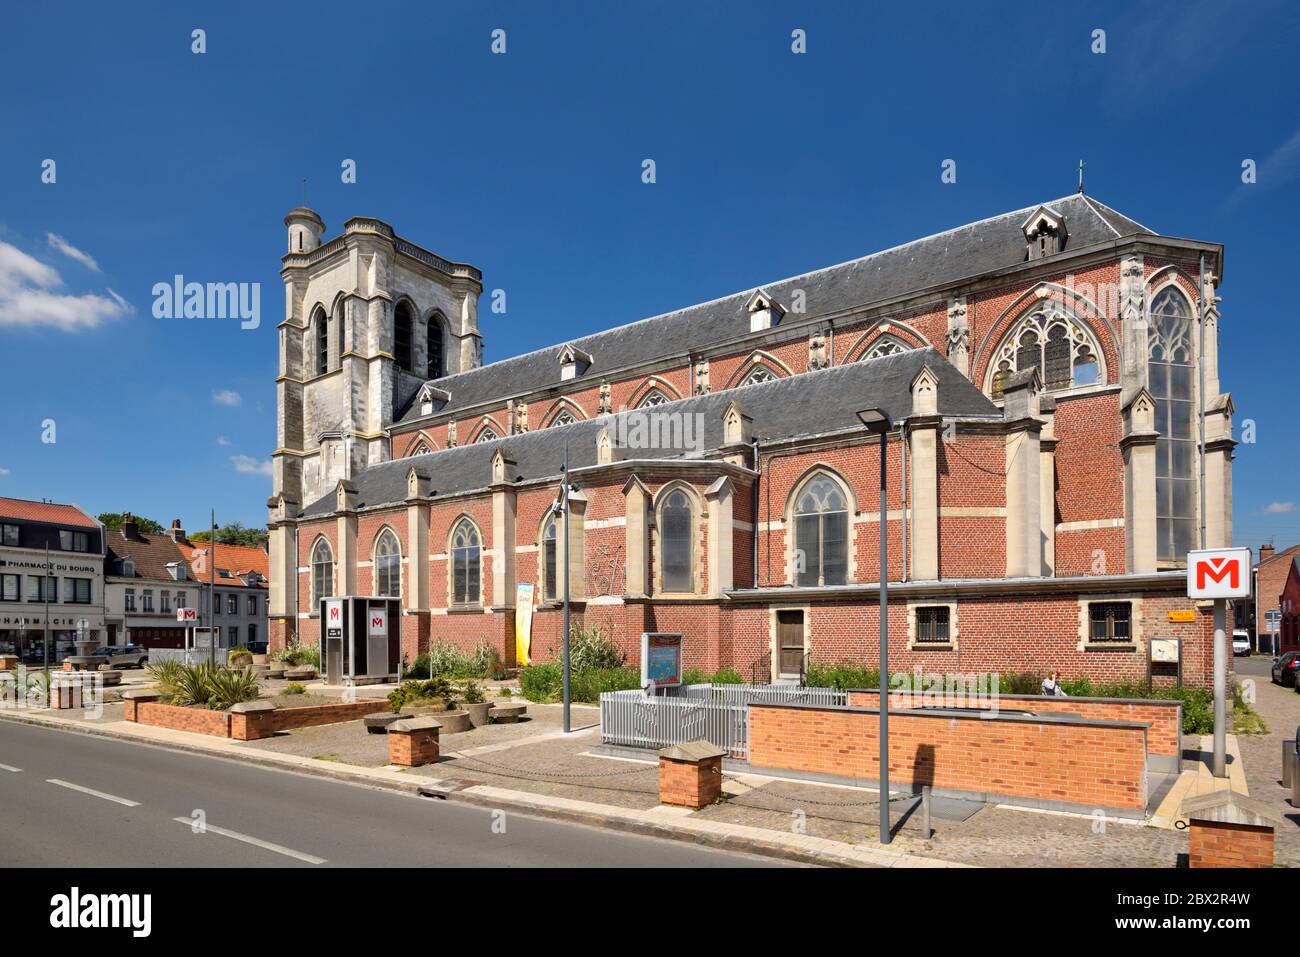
{"type": "Point", "coordinates": [564, 507]}
{"type": "Point", "coordinates": [877, 422]}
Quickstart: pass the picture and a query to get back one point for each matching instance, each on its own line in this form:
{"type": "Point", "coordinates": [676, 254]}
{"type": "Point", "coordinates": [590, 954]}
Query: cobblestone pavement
{"type": "Point", "coordinates": [1262, 755]}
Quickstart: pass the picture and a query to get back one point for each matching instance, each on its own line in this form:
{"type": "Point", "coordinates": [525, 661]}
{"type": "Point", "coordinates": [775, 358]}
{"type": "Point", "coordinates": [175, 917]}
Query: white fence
{"type": "Point", "coordinates": [714, 713]}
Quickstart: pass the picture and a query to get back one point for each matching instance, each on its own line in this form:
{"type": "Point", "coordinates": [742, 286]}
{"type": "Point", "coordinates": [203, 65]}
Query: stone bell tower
{"type": "Point", "coordinates": [369, 318]}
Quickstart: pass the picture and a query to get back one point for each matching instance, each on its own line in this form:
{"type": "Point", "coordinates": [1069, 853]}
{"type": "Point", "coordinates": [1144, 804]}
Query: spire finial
{"type": "Point", "coordinates": [1082, 164]}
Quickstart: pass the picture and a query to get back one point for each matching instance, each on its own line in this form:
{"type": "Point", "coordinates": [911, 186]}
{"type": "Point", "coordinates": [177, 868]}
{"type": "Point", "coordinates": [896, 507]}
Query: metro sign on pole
{"type": "Point", "coordinates": [378, 622]}
{"type": "Point", "coordinates": [1218, 573]}
{"type": "Point", "coordinates": [187, 614]}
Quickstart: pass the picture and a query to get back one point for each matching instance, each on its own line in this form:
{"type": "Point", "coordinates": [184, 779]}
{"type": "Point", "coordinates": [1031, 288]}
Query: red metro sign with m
{"type": "Point", "coordinates": [1218, 573]}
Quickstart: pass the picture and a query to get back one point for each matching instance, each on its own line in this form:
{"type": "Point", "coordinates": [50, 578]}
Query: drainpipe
{"type": "Point", "coordinates": [902, 455]}
{"type": "Point", "coordinates": [1200, 395]}
{"type": "Point", "coordinates": [757, 473]}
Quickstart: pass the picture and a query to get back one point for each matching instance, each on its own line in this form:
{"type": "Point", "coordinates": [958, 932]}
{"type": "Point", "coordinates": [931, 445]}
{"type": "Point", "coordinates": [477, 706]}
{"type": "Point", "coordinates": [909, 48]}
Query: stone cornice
{"type": "Point", "coordinates": [971, 588]}
{"type": "Point", "coordinates": [1136, 439]}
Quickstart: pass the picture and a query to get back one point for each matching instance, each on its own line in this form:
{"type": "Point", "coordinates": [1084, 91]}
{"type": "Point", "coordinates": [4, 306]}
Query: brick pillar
{"type": "Point", "coordinates": [1228, 829]}
{"type": "Point", "coordinates": [413, 742]}
{"type": "Point", "coordinates": [132, 699]}
{"type": "Point", "coordinates": [690, 775]}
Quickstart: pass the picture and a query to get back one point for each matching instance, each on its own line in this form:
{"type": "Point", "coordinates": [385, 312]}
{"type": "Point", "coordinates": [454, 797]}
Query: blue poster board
{"type": "Point", "coordinates": [661, 659]}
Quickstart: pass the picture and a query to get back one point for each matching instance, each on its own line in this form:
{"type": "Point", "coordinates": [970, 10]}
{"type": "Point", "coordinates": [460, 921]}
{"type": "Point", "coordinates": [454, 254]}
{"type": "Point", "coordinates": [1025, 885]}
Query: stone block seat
{"type": "Point", "coordinates": [83, 662]}
{"type": "Point", "coordinates": [508, 713]}
{"type": "Point", "coordinates": [378, 723]}
{"type": "Point", "coordinates": [299, 674]}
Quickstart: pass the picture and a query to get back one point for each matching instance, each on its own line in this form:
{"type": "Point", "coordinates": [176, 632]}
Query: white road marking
{"type": "Point", "coordinates": [9, 767]}
{"type": "Point", "coordinates": [92, 792]}
{"type": "Point", "coordinates": [255, 841]}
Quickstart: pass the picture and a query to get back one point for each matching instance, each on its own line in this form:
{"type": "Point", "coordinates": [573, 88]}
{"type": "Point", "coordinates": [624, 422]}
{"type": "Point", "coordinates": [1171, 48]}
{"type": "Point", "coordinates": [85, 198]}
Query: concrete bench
{"type": "Point", "coordinates": [299, 674]}
{"type": "Point", "coordinates": [508, 713]}
{"type": "Point", "coordinates": [378, 723]}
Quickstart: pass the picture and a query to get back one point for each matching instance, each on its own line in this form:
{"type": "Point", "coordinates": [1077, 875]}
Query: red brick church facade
{"type": "Point", "coordinates": [1043, 371]}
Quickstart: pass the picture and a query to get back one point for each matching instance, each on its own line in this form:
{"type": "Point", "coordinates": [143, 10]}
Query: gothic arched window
{"type": "Point", "coordinates": [1170, 370]}
{"type": "Point", "coordinates": [1058, 345]}
{"type": "Point", "coordinates": [421, 449]}
{"type": "Point", "coordinates": [322, 571]}
{"type": "Point", "coordinates": [465, 554]}
{"type": "Point", "coordinates": [486, 434]}
{"type": "Point", "coordinates": [433, 367]}
{"type": "Point", "coordinates": [885, 346]}
{"type": "Point", "coordinates": [388, 565]}
{"type": "Point", "coordinates": [563, 418]}
{"type": "Point", "coordinates": [322, 329]}
{"type": "Point", "coordinates": [821, 533]}
{"type": "Point", "coordinates": [676, 549]}
{"type": "Point", "coordinates": [549, 556]}
{"type": "Point", "coordinates": [758, 375]}
{"type": "Point", "coordinates": [652, 398]}
{"type": "Point", "coordinates": [403, 322]}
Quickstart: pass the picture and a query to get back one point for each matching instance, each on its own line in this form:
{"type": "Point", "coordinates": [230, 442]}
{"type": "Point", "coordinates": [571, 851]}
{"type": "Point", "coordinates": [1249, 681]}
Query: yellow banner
{"type": "Point", "coordinates": [1183, 615]}
{"type": "Point", "coordinates": [523, 622]}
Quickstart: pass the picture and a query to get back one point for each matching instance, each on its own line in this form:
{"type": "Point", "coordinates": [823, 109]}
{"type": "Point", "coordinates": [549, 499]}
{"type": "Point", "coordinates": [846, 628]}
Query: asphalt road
{"type": "Point", "coordinates": [73, 800]}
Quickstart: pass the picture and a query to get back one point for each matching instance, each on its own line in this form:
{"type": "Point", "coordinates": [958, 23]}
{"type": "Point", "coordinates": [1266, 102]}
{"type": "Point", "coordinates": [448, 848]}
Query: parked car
{"type": "Point", "coordinates": [123, 656]}
{"type": "Point", "coordinates": [1284, 669]}
{"type": "Point", "coordinates": [1240, 642]}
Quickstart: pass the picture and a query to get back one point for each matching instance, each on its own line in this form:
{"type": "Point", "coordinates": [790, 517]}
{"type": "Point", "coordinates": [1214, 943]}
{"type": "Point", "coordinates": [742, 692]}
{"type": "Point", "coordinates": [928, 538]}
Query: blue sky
{"type": "Point", "coordinates": [528, 165]}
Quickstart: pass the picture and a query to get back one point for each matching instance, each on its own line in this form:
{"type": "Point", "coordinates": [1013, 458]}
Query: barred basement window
{"type": "Point", "coordinates": [1110, 621]}
{"type": "Point", "coordinates": [932, 623]}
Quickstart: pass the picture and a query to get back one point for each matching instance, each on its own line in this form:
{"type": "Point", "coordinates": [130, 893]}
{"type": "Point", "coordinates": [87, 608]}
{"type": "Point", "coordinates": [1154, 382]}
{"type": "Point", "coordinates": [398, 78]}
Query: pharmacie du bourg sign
{"type": "Point", "coordinates": [1218, 573]}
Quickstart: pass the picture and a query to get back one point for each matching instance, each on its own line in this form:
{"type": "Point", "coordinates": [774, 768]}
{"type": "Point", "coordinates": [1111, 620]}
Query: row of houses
{"type": "Point", "coordinates": [65, 574]}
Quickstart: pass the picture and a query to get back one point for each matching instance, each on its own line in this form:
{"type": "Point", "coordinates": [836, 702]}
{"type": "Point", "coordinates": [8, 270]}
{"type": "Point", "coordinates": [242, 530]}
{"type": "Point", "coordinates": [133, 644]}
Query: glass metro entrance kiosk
{"type": "Point", "coordinates": [360, 639]}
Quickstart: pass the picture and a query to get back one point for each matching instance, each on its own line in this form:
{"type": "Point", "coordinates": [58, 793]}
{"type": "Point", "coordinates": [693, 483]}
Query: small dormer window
{"type": "Point", "coordinates": [573, 362]}
{"type": "Point", "coordinates": [764, 311]}
{"type": "Point", "coordinates": [1045, 233]}
{"type": "Point", "coordinates": [432, 399]}
{"type": "Point", "coordinates": [128, 568]}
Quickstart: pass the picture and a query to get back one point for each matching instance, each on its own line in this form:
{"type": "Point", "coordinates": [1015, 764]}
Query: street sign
{"type": "Point", "coordinates": [187, 614]}
{"type": "Point", "coordinates": [378, 619]}
{"type": "Point", "coordinates": [1218, 573]}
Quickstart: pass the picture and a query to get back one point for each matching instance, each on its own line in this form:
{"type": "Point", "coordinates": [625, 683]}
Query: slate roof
{"type": "Point", "coordinates": [812, 403]}
{"type": "Point", "coordinates": [49, 512]}
{"type": "Point", "coordinates": [950, 256]}
{"type": "Point", "coordinates": [151, 554]}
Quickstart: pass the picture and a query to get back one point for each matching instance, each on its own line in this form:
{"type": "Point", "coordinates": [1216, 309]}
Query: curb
{"type": "Point", "coordinates": [522, 804]}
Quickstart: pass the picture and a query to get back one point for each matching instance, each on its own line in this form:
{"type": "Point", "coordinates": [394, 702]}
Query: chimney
{"type": "Point", "coordinates": [176, 532]}
{"type": "Point", "coordinates": [130, 530]}
{"type": "Point", "coordinates": [1265, 552]}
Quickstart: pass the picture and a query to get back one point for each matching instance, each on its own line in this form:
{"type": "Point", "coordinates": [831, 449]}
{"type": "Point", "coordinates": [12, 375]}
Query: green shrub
{"type": "Point", "coordinates": [541, 682]}
{"type": "Point", "coordinates": [165, 672]}
{"type": "Point", "coordinates": [841, 677]}
{"type": "Point", "coordinates": [296, 655]}
{"type": "Point", "coordinates": [229, 686]}
{"type": "Point", "coordinates": [204, 685]}
{"type": "Point", "coordinates": [587, 686]}
{"type": "Point", "coordinates": [294, 687]}
{"type": "Point", "coordinates": [592, 648]}
{"type": "Point", "coordinates": [239, 656]}
{"type": "Point", "coordinates": [728, 676]}
{"type": "Point", "coordinates": [410, 692]}
{"type": "Point", "coordinates": [470, 692]}
{"type": "Point", "coordinates": [449, 661]}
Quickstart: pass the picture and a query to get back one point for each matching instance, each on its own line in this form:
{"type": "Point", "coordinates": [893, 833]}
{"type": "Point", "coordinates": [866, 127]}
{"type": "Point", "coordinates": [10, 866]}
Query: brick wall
{"type": "Point", "coordinates": [1214, 844]}
{"type": "Point", "coordinates": [196, 720]}
{"type": "Point", "coordinates": [1164, 718]}
{"type": "Point", "coordinates": [1093, 765]}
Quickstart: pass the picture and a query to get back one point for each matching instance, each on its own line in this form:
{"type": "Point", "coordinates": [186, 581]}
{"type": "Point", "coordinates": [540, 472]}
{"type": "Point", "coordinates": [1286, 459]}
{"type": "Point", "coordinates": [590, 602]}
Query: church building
{"type": "Point", "coordinates": [1055, 439]}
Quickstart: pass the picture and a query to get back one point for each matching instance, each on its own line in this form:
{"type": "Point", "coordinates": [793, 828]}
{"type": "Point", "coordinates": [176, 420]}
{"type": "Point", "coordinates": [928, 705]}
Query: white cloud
{"type": "Point", "coordinates": [71, 251]}
{"type": "Point", "coordinates": [227, 397]}
{"type": "Point", "coordinates": [251, 466]}
{"type": "Point", "coordinates": [222, 440]}
{"type": "Point", "coordinates": [1280, 508]}
{"type": "Point", "coordinates": [28, 296]}
{"type": "Point", "coordinates": [4, 472]}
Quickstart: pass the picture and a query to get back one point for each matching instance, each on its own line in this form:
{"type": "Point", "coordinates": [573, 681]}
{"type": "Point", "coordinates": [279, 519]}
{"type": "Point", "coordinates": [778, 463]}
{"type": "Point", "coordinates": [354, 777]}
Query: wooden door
{"type": "Point", "coordinates": [789, 639]}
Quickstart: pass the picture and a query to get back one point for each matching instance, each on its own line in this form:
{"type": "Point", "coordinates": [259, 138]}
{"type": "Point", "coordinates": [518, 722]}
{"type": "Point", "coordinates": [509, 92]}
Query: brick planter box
{"type": "Point", "coordinates": [1227, 829]}
{"type": "Point", "coordinates": [413, 742]}
{"type": "Point", "coordinates": [690, 775]}
{"type": "Point", "coordinates": [247, 721]}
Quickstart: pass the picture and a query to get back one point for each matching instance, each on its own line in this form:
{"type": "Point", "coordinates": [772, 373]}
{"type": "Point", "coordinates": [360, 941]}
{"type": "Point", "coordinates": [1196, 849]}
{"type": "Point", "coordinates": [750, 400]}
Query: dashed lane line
{"type": "Point", "coordinates": [255, 841]}
{"type": "Point", "coordinates": [92, 792]}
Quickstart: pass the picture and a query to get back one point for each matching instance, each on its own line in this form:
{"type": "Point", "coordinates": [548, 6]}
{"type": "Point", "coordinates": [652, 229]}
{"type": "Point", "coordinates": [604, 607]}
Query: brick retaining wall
{"type": "Point", "coordinates": [198, 720]}
{"type": "Point", "coordinates": [252, 725]}
{"type": "Point", "coordinates": [1051, 759]}
{"type": "Point", "coordinates": [1165, 718]}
